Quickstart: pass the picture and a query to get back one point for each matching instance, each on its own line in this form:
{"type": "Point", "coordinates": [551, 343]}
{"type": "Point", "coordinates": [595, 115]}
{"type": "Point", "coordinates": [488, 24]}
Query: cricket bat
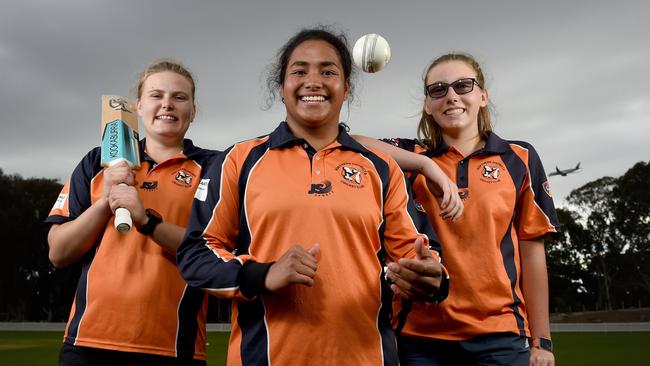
{"type": "Point", "coordinates": [120, 143]}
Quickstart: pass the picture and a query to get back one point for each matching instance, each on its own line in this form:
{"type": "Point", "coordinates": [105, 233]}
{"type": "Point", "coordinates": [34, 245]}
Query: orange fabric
{"type": "Point", "coordinates": [133, 288]}
{"type": "Point", "coordinates": [335, 322]}
{"type": "Point", "coordinates": [497, 214]}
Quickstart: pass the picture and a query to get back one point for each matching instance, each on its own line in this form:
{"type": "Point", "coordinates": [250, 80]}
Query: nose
{"type": "Point", "coordinates": [451, 95]}
{"type": "Point", "coordinates": [313, 80]}
{"type": "Point", "coordinates": [167, 103]}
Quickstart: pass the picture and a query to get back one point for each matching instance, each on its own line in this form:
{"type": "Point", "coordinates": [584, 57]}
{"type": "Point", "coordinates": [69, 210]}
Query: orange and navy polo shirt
{"type": "Point", "coordinates": [265, 195]}
{"type": "Point", "coordinates": [130, 296]}
{"type": "Point", "coordinates": [507, 199]}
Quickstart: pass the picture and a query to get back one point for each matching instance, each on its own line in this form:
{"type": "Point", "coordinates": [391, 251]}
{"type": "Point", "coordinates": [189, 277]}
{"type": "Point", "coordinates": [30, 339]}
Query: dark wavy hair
{"type": "Point", "coordinates": [276, 72]}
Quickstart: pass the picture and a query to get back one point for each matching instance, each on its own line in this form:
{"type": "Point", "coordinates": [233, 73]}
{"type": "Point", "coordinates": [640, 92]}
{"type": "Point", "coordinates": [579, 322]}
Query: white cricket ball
{"type": "Point", "coordinates": [371, 52]}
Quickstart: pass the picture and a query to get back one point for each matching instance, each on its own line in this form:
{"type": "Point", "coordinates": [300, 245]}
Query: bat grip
{"type": "Point", "coordinates": [123, 220]}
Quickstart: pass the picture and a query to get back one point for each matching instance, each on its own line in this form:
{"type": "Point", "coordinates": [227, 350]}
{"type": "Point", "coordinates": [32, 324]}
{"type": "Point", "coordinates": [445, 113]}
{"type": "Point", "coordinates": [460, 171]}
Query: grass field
{"type": "Point", "coordinates": [41, 348]}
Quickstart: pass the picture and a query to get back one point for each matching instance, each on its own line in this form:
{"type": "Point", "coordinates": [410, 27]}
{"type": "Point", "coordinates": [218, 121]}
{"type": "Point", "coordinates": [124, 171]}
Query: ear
{"type": "Point", "coordinates": [193, 113]}
{"type": "Point", "coordinates": [427, 109]}
{"type": "Point", "coordinates": [138, 107]}
{"type": "Point", "coordinates": [347, 89]}
{"type": "Point", "coordinates": [484, 98]}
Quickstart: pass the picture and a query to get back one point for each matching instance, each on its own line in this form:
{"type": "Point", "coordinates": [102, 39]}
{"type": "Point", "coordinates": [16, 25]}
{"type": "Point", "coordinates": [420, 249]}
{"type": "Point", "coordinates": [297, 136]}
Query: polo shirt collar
{"type": "Point", "coordinates": [493, 145]}
{"type": "Point", "coordinates": [189, 150]}
{"type": "Point", "coordinates": [283, 137]}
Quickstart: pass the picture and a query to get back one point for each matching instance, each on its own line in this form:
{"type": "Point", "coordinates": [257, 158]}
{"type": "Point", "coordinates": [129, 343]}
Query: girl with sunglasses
{"type": "Point", "coordinates": [497, 309]}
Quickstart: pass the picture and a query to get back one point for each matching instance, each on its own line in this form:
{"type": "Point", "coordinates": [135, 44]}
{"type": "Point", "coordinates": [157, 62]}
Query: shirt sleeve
{"type": "Point", "coordinates": [75, 196]}
{"type": "Point", "coordinates": [536, 214]}
{"type": "Point", "coordinates": [207, 257]}
{"type": "Point", "coordinates": [404, 223]}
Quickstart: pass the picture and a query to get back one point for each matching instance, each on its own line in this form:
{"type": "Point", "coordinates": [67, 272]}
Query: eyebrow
{"type": "Point", "coordinates": [174, 92]}
{"type": "Point", "coordinates": [322, 63]}
{"type": "Point", "coordinates": [444, 82]}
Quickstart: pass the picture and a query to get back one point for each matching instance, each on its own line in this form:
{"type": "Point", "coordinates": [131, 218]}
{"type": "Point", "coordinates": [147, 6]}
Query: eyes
{"type": "Point", "coordinates": [179, 96]}
{"type": "Point", "coordinates": [303, 71]}
{"type": "Point", "coordinates": [460, 86]}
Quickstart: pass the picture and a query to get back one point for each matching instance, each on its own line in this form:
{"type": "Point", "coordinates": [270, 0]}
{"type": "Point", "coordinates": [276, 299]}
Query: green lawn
{"type": "Point", "coordinates": [41, 348]}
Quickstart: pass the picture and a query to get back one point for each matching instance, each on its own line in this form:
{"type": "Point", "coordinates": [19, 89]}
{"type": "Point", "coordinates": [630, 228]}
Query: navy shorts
{"type": "Point", "coordinates": [507, 349]}
{"type": "Point", "coordinates": [82, 356]}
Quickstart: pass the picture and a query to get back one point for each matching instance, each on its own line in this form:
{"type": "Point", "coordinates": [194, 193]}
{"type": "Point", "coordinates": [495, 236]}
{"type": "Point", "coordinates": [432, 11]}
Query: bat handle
{"type": "Point", "coordinates": [123, 220]}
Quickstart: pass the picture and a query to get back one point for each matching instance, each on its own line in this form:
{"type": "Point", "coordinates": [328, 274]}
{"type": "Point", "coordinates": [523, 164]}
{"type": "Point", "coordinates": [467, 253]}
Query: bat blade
{"type": "Point", "coordinates": [119, 131]}
{"type": "Point", "coordinates": [119, 143]}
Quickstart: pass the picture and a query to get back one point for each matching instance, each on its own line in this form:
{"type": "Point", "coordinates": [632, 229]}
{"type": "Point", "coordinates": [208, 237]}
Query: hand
{"type": "Point", "coordinates": [445, 191]}
{"type": "Point", "coordinates": [541, 357]}
{"type": "Point", "coordinates": [116, 174]}
{"type": "Point", "coordinates": [296, 266]}
{"type": "Point", "coordinates": [127, 197]}
{"type": "Point", "coordinates": [417, 279]}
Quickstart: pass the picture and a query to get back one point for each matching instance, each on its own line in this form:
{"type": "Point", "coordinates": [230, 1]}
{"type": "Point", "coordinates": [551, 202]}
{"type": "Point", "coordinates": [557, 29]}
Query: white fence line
{"type": "Point", "coordinates": [600, 327]}
{"type": "Point", "coordinates": [225, 327]}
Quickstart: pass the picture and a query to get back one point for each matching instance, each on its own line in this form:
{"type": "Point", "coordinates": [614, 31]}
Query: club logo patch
{"type": "Point", "coordinates": [60, 201]}
{"type": "Point", "coordinates": [183, 178]}
{"type": "Point", "coordinates": [547, 188]}
{"type": "Point", "coordinates": [201, 193]}
{"type": "Point", "coordinates": [491, 171]}
{"type": "Point", "coordinates": [321, 189]}
{"type": "Point", "coordinates": [149, 186]}
{"type": "Point", "coordinates": [352, 174]}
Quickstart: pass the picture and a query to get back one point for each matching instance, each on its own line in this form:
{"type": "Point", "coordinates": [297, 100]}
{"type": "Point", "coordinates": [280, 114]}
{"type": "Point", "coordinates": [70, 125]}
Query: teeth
{"type": "Point", "coordinates": [313, 98]}
{"type": "Point", "coordinates": [171, 118]}
{"type": "Point", "coordinates": [454, 111]}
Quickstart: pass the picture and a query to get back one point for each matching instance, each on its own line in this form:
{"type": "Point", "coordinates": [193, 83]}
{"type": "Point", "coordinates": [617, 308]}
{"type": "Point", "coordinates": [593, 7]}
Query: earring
{"type": "Point", "coordinates": [282, 99]}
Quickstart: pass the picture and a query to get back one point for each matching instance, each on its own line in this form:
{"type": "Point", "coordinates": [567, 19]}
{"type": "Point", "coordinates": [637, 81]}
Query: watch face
{"type": "Point", "coordinates": [545, 343]}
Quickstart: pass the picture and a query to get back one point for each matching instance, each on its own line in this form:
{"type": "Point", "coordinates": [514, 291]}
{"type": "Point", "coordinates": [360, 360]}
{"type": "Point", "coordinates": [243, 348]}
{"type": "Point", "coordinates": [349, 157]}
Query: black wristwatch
{"type": "Point", "coordinates": [154, 219]}
{"type": "Point", "coordinates": [543, 343]}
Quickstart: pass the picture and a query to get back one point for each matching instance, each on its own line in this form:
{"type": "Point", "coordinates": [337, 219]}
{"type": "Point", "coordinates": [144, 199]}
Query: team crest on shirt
{"type": "Point", "coordinates": [547, 188]}
{"type": "Point", "coordinates": [352, 175]}
{"type": "Point", "coordinates": [183, 178]}
{"type": "Point", "coordinates": [490, 171]}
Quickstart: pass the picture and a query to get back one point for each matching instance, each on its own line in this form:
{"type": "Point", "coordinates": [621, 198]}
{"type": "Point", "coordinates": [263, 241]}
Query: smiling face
{"type": "Point", "coordinates": [166, 106]}
{"type": "Point", "coordinates": [314, 87]}
{"type": "Point", "coordinates": [455, 114]}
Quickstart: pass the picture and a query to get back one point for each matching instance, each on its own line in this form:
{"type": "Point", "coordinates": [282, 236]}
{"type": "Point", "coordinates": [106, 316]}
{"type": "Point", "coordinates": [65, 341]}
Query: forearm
{"type": "Point", "coordinates": [68, 242]}
{"type": "Point", "coordinates": [535, 287]}
{"type": "Point", "coordinates": [168, 236]}
{"type": "Point", "coordinates": [407, 160]}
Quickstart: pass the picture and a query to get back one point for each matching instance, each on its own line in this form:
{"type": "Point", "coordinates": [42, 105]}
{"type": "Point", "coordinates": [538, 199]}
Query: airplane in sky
{"type": "Point", "coordinates": [564, 172]}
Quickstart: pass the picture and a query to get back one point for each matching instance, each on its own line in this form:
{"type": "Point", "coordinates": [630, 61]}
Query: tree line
{"type": "Point", "coordinates": [599, 261]}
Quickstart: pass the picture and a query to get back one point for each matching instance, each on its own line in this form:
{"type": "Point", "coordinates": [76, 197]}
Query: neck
{"type": "Point", "coordinates": [162, 150]}
{"type": "Point", "coordinates": [317, 137]}
{"type": "Point", "coordinates": [466, 143]}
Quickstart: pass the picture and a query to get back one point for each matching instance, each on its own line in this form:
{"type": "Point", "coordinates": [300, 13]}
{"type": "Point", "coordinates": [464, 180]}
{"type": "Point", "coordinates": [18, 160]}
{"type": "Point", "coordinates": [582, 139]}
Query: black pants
{"type": "Point", "coordinates": [502, 349]}
{"type": "Point", "coordinates": [86, 356]}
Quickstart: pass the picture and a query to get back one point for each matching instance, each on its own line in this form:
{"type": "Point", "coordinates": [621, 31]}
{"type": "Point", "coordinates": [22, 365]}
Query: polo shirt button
{"type": "Point", "coordinates": [318, 172]}
{"type": "Point", "coordinates": [318, 158]}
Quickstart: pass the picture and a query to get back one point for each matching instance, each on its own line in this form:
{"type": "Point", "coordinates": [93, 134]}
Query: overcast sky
{"type": "Point", "coordinates": [571, 77]}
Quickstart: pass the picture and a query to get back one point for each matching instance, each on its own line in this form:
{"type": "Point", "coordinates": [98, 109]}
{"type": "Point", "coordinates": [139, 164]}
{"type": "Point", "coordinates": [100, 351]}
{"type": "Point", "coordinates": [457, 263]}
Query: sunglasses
{"type": "Point", "coordinates": [461, 86]}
